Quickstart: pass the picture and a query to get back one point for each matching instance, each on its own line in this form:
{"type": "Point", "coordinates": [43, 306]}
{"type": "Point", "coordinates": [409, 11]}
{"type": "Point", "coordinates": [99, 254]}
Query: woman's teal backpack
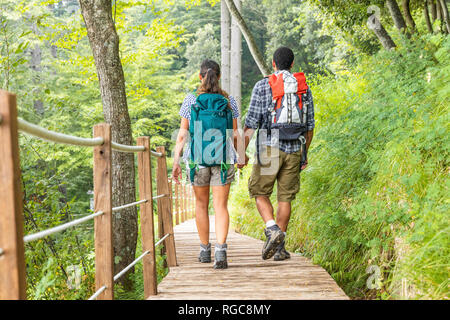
{"type": "Point", "coordinates": [210, 119]}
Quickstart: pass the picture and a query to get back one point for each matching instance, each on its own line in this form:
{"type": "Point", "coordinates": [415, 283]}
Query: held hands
{"type": "Point", "coordinates": [243, 164]}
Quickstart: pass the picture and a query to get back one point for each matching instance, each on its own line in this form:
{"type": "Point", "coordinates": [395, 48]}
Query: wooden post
{"type": "Point", "coordinates": [147, 223]}
{"type": "Point", "coordinates": [104, 260]}
{"type": "Point", "coordinates": [171, 200]}
{"type": "Point", "coordinates": [183, 197]}
{"type": "Point", "coordinates": [12, 257]}
{"type": "Point", "coordinates": [162, 246]}
{"type": "Point", "coordinates": [177, 204]}
{"type": "Point", "coordinates": [164, 207]}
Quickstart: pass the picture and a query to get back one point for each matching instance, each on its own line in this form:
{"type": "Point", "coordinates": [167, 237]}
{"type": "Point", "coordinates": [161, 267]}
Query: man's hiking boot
{"type": "Point", "coordinates": [220, 256]}
{"type": "Point", "coordinates": [205, 253]}
{"type": "Point", "coordinates": [274, 236]}
{"type": "Point", "coordinates": [281, 253]}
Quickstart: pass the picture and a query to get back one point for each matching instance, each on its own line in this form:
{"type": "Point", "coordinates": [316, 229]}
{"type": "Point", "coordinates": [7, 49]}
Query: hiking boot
{"type": "Point", "coordinates": [205, 253]}
{"type": "Point", "coordinates": [220, 256]}
{"type": "Point", "coordinates": [281, 253]}
{"type": "Point", "coordinates": [274, 236]}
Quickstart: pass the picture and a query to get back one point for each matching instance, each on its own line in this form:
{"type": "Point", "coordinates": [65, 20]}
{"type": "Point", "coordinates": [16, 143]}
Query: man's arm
{"type": "Point", "coordinates": [310, 125]}
{"type": "Point", "coordinates": [309, 136]}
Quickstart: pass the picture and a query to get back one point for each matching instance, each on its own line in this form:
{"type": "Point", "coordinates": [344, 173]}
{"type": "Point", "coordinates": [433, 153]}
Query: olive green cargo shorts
{"type": "Point", "coordinates": [279, 166]}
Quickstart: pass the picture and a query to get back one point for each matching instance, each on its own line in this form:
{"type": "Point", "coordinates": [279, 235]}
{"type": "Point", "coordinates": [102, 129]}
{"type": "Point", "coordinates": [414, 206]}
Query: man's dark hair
{"type": "Point", "coordinates": [283, 58]}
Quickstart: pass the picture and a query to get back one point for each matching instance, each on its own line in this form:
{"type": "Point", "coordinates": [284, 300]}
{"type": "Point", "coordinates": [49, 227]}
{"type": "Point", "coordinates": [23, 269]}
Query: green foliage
{"type": "Point", "coordinates": [376, 190]}
{"type": "Point", "coordinates": [205, 46]}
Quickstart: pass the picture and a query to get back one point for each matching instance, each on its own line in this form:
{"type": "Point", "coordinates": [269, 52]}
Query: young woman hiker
{"type": "Point", "coordinates": [211, 108]}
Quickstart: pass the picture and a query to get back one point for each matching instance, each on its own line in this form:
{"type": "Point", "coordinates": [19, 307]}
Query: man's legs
{"type": "Point", "coordinates": [264, 207]}
{"type": "Point", "coordinates": [261, 185]}
{"type": "Point", "coordinates": [283, 215]}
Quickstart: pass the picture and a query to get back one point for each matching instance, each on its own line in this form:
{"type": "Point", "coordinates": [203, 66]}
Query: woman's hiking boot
{"type": "Point", "coordinates": [281, 253]}
{"type": "Point", "coordinates": [205, 253]}
{"type": "Point", "coordinates": [220, 256]}
{"type": "Point", "coordinates": [274, 236]}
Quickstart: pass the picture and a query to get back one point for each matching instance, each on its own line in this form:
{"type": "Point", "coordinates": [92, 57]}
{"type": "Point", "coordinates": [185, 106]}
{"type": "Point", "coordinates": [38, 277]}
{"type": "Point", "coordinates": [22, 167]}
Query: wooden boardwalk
{"type": "Point", "coordinates": [247, 276]}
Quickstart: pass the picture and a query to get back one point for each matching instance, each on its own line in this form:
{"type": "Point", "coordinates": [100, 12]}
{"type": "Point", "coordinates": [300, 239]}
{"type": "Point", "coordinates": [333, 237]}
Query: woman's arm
{"type": "Point", "coordinates": [181, 140]}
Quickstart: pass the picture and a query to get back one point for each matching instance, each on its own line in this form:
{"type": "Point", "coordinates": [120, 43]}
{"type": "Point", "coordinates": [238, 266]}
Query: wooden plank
{"type": "Point", "coordinates": [12, 260]}
{"type": "Point", "coordinates": [248, 276]}
{"type": "Point", "coordinates": [164, 207]}
{"type": "Point", "coordinates": [147, 223]}
{"type": "Point", "coordinates": [104, 267]}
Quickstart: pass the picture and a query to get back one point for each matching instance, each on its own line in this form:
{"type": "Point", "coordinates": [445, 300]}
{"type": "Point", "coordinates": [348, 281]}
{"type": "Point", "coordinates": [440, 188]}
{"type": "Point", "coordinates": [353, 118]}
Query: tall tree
{"type": "Point", "coordinates": [374, 23]}
{"type": "Point", "coordinates": [225, 23]}
{"type": "Point", "coordinates": [236, 61]}
{"type": "Point", "coordinates": [407, 13]}
{"type": "Point", "coordinates": [426, 14]}
{"type": "Point", "coordinates": [444, 15]}
{"type": "Point", "coordinates": [104, 41]}
{"type": "Point", "coordinates": [396, 15]}
{"type": "Point", "coordinates": [253, 47]}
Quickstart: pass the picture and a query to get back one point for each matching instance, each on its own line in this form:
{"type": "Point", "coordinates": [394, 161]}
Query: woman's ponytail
{"type": "Point", "coordinates": [210, 72]}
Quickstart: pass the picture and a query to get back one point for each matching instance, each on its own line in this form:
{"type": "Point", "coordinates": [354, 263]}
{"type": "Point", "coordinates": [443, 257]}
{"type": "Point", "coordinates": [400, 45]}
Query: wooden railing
{"type": "Point", "coordinates": [12, 250]}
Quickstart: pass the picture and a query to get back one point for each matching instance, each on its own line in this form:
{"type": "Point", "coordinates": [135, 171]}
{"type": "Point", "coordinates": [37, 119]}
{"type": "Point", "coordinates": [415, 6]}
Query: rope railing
{"type": "Point", "coordinates": [131, 265]}
{"type": "Point", "coordinates": [115, 209]}
{"type": "Point", "coordinates": [52, 136]}
{"type": "Point", "coordinates": [45, 233]}
{"type": "Point", "coordinates": [125, 148]}
{"type": "Point", "coordinates": [98, 292]}
{"type": "Point", "coordinates": [161, 240]}
{"type": "Point", "coordinates": [160, 196]}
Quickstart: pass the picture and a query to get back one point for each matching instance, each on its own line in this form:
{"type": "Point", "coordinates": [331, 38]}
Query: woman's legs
{"type": "Point", "coordinates": [201, 213]}
{"type": "Point", "coordinates": [220, 202]}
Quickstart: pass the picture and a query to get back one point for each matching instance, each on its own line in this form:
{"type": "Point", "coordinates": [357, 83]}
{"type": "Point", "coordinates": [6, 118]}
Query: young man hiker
{"type": "Point", "coordinates": [282, 110]}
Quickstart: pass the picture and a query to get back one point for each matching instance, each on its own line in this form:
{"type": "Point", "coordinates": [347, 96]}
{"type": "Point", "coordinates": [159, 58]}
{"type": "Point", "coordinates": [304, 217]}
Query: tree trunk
{"type": "Point", "coordinates": [426, 14]}
{"type": "Point", "coordinates": [236, 61]}
{"type": "Point", "coordinates": [381, 33]}
{"type": "Point", "coordinates": [225, 46]}
{"type": "Point", "coordinates": [396, 15]}
{"type": "Point", "coordinates": [36, 66]}
{"type": "Point", "coordinates": [433, 9]}
{"type": "Point", "coordinates": [408, 17]}
{"type": "Point", "coordinates": [105, 47]}
{"type": "Point", "coordinates": [254, 50]}
{"type": "Point", "coordinates": [444, 15]}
